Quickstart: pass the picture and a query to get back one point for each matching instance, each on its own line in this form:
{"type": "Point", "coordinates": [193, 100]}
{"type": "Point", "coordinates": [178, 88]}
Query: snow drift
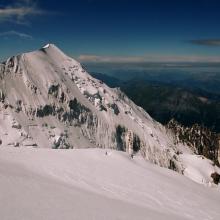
{"type": "Point", "coordinates": [88, 184]}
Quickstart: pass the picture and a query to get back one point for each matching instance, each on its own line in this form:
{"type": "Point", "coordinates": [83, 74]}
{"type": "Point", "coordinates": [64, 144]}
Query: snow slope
{"type": "Point", "coordinates": [198, 168]}
{"type": "Point", "coordinates": [87, 184]}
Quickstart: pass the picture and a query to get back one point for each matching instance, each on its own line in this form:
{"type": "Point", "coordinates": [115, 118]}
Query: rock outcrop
{"type": "Point", "coordinates": [199, 138]}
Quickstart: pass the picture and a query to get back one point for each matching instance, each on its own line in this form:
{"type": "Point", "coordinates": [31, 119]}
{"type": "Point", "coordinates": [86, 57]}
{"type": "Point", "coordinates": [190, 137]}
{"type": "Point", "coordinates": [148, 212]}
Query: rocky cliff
{"type": "Point", "coordinates": [199, 138]}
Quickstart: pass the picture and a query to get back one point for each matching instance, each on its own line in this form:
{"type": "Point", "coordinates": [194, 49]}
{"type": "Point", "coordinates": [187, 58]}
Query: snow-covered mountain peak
{"type": "Point", "coordinates": [52, 48]}
{"type": "Point", "coordinates": [47, 86]}
{"type": "Point", "coordinates": [48, 100]}
{"type": "Point", "coordinates": [48, 52]}
{"type": "Point", "coordinates": [46, 46]}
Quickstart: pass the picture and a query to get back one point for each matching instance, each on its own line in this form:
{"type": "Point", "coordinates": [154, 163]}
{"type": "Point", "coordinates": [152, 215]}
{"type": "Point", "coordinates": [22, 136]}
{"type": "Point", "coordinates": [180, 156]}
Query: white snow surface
{"type": "Point", "coordinates": [84, 184]}
{"type": "Point", "coordinates": [198, 168]}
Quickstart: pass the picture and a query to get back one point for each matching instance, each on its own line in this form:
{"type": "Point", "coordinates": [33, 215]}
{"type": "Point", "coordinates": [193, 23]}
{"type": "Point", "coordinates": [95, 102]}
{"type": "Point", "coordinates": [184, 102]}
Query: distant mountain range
{"type": "Point", "coordinates": [196, 76]}
{"type": "Point", "coordinates": [189, 101]}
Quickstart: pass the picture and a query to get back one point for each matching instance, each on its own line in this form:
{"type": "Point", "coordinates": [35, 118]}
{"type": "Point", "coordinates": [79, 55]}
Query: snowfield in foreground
{"type": "Point", "coordinates": [86, 184]}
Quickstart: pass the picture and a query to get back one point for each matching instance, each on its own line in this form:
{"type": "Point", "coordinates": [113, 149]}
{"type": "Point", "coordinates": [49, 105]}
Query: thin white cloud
{"type": "Point", "coordinates": [147, 58]}
{"type": "Point", "coordinates": [94, 58]}
{"type": "Point", "coordinates": [206, 42]}
{"type": "Point", "coordinates": [17, 34]}
{"type": "Point", "coordinates": [18, 13]}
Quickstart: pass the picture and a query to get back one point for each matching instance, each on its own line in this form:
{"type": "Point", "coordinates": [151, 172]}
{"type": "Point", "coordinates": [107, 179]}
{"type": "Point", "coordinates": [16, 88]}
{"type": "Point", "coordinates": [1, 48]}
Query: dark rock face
{"type": "Point", "coordinates": [172, 165]}
{"type": "Point", "coordinates": [18, 107]}
{"type": "Point", "coordinates": [61, 142]}
{"type": "Point", "coordinates": [136, 143]}
{"type": "Point", "coordinates": [53, 90]}
{"type": "Point", "coordinates": [73, 111]}
{"type": "Point", "coordinates": [45, 111]}
{"type": "Point", "coordinates": [2, 96]}
{"type": "Point", "coordinates": [201, 140]}
{"type": "Point", "coordinates": [216, 178]}
{"type": "Point", "coordinates": [76, 108]}
{"type": "Point", "coordinates": [120, 134]}
{"type": "Point", "coordinates": [127, 140]}
{"type": "Point", "coordinates": [115, 108]}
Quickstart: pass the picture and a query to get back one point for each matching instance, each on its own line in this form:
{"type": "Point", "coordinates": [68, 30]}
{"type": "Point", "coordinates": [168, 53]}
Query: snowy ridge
{"type": "Point", "coordinates": [55, 103]}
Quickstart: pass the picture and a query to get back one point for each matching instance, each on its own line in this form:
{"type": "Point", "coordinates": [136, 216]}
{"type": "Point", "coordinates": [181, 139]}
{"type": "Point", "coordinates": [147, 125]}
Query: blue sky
{"type": "Point", "coordinates": [114, 30]}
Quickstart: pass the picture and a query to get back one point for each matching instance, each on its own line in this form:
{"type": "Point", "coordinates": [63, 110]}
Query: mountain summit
{"type": "Point", "coordinates": [48, 100]}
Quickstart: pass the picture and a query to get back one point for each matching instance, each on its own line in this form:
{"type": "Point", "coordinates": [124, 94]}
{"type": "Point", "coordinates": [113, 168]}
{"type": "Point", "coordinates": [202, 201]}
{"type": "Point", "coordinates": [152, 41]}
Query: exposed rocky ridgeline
{"type": "Point", "coordinates": [201, 140]}
{"type": "Point", "coordinates": [48, 100]}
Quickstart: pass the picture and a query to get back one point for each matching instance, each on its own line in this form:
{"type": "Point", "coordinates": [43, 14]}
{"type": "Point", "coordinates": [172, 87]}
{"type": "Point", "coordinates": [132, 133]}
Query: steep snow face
{"type": "Point", "coordinates": [80, 184]}
{"type": "Point", "coordinates": [199, 168]}
{"type": "Point", "coordinates": [55, 103]}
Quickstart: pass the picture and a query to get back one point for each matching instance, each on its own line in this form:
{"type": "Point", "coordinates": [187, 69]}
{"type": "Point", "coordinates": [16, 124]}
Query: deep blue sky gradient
{"type": "Point", "coordinates": [116, 27]}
